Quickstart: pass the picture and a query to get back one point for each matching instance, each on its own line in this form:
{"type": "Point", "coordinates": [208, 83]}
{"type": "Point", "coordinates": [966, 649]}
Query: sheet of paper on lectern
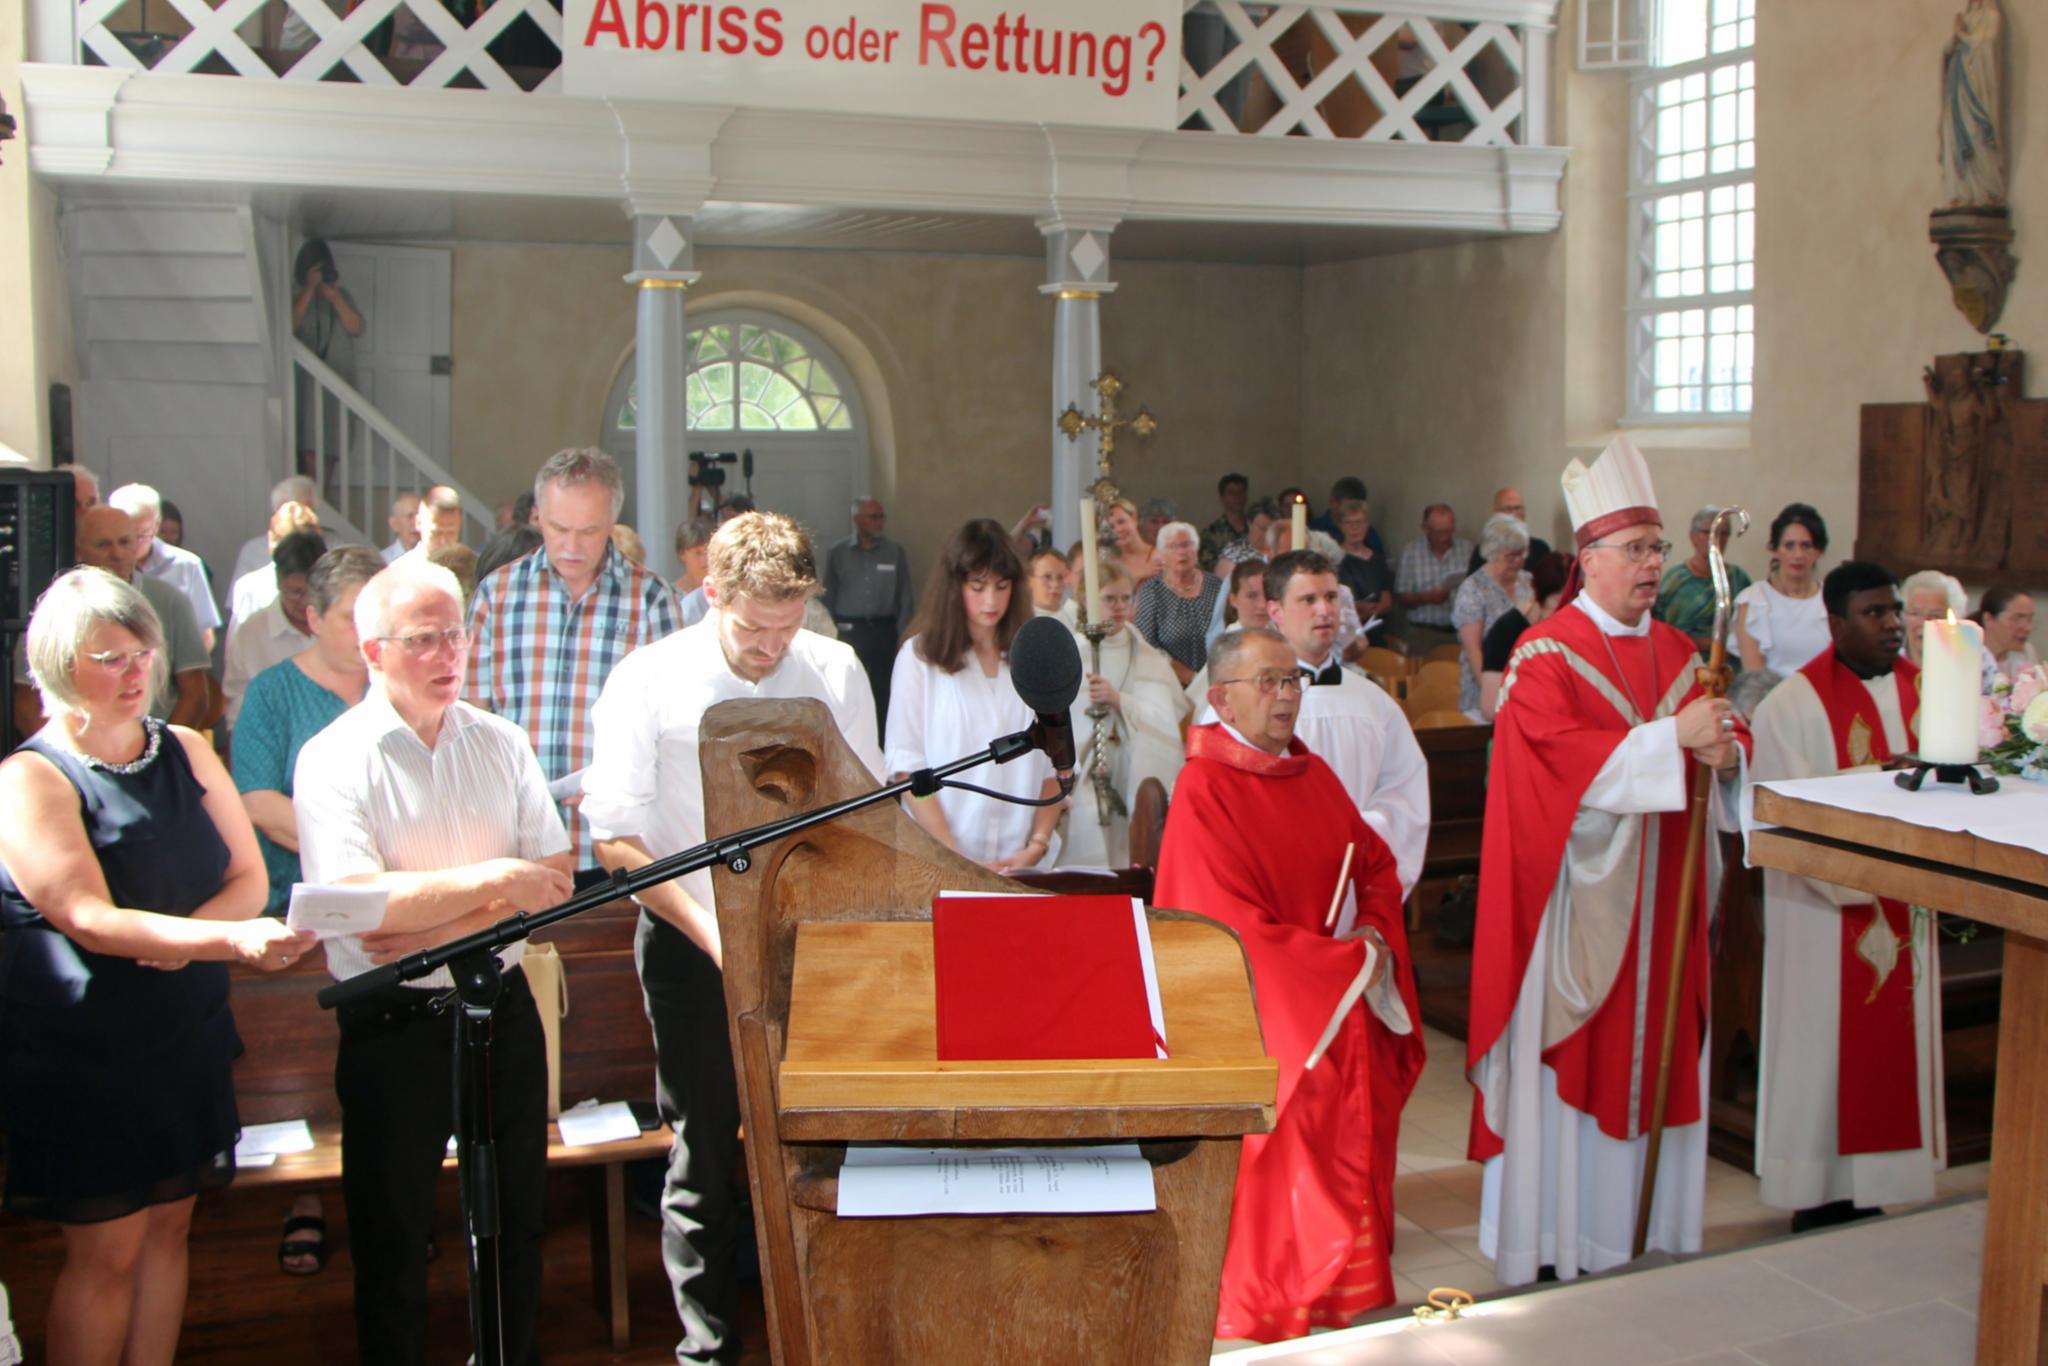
{"type": "Point", "coordinates": [587, 1124]}
{"type": "Point", "coordinates": [878, 1182]}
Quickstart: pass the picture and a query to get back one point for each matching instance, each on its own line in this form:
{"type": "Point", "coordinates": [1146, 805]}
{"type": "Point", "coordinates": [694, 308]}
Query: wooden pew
{"type": "Point", "coordinates": [607, 1051]}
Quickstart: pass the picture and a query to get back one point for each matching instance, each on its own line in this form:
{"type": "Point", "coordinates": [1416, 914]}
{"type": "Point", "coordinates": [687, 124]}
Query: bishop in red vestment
{"type": "Point", "coordinates": [1256, 838]}
{"type": "Point", "coordinates": [1849, 1100]}
{"type": "Point", "coordinates": [1600, 724]}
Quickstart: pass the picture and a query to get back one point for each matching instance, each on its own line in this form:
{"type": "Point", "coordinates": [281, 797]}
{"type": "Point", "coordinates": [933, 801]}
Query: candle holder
{"type": "Point", "coordinates": [1109, 803]}
{"type": "Point", "coordinates": [1912, 776]}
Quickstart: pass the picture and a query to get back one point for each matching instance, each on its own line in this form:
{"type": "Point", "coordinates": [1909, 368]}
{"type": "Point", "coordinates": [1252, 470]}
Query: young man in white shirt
{"type": "Point", "coordinates": [643, 797]}
{"type": "Point", "coordinates": [443, 807]}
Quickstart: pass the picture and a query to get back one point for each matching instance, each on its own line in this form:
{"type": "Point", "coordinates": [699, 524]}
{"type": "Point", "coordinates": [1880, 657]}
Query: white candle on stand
{"type": "Point", "coordinates": [1091, 564]}
{"type": "Point", "coordinates": [1300, 523]}
{"type": "Point", "coordinates": [1951, 690]}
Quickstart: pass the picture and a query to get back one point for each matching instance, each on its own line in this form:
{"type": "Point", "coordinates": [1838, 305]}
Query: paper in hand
{"type": "Point", "coordinates": [567, 786]}
{"type": "Point", "coordinates": [333, 911]}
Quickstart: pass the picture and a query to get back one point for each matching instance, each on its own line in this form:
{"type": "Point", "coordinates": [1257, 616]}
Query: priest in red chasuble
{"type": "Point", "coordinates": [1601, 724]}
{"type": "Point", "coordinates": [1257, 838]}
{"type": "Point", "coordinates": [1849, 1111]}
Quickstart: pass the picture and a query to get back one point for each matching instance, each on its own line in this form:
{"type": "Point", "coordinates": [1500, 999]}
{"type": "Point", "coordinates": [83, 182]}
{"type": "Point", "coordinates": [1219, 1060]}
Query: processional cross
{"type": "Point", "coordinates": [1106, 424]}
{"type": "Point", "coordinates": [1109, 803]}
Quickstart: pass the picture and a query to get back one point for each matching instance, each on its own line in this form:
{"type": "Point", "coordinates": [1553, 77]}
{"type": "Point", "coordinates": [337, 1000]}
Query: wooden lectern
{"type": "Point", "coordinates": [828, 986]}
{"type": "Point", "coordinates": [1957, 873]}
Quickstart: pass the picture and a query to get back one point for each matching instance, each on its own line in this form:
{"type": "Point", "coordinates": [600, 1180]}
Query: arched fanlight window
{"type": "Point", "coordinates": [752, 376]}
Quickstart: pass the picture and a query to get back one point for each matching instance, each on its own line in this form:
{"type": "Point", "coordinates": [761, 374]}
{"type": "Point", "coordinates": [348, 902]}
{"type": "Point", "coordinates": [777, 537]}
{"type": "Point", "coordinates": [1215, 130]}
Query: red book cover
{"type": "Point", "coordinates": [1040, 977]}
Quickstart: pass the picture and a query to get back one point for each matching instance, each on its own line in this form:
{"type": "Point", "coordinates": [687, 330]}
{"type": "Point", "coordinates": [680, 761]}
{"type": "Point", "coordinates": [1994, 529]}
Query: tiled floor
{"type": "Point", "coordinates": [1436, 1201]}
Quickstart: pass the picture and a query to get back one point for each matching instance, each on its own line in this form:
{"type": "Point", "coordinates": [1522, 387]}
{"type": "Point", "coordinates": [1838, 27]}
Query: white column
{"type": "Point", "coordinates": [1077, 277]}
{"type": "Point", "coordinates": [662, 255]}
{"type": "Point", "coordinates": [1536, 94]}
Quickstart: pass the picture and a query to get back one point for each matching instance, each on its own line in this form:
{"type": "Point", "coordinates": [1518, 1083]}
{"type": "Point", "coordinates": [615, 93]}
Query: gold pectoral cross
{"type": "Point", "coordinates": [1106, 424]}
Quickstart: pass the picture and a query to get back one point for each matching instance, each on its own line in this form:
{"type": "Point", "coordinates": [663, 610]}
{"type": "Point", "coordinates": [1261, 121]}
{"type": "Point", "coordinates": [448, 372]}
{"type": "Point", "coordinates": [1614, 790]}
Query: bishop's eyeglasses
{"type": "Point", "coordinates": [1637, 551]}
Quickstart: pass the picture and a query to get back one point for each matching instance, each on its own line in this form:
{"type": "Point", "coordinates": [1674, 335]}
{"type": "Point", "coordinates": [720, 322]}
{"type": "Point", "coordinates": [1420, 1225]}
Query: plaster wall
{"type": "Point", "coordinates": [36, 348]}
{"type": "Point", "coordinates": [952, 354]}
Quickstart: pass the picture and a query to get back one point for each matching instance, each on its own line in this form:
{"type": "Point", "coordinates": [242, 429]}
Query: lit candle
{"type": "Point", "coordinates": [1951, 690]}
{"type": "Point", "coordinates": [1300, 523]}
{"type": "Point", "coordinates": [1091, 564]}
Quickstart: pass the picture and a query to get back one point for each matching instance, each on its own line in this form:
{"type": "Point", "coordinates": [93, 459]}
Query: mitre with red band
{"type": "Point", "coordinates": [1613, 495]}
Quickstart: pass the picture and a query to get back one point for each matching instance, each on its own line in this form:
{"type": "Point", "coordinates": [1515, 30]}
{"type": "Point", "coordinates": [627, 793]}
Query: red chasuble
{"type": "Point", "coordinates": [1573, 696]}
{"type": "Point", "coordinates": [1257, 841]}
{"type": "Point", "coordinates": [1877, 1105]}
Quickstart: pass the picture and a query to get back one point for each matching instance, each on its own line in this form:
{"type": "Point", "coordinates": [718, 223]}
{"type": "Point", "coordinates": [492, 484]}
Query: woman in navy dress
{"type": "Point", "coordinates": [129, 879]}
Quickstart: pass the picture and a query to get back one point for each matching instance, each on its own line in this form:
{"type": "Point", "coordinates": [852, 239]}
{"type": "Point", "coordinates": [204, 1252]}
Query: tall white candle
{"type": "Point", "coordinates": [1091, 564]}
{"type": "Point", "coordinates": [1300, 523]}
{"type": "Point", "coordinates": [1951, 690]}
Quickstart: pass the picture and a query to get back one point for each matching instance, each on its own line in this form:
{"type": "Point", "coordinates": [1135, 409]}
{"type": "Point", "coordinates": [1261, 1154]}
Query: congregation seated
{"type": "Point", "coordinates": [1510, 501]}
{"type": "Point", "coordinates": [1363, 568]}
{"type": "Point", "coordinates": [1930, 595]}
{"type": "Point", "coordinates": [1685, 595]}
{"type": "Point", "coordinates": [1349, 489]}
{"type": "Point", "coordinates": [1243, 602]}
{"type": "Point", "coordinates": [1233, 493]}
{"type": "Point", "coordinates": [1259, 519]}
{"type": "Point", "coordinates": [2007, 616]}
{"type": "Point", "coordinates": [1428, 574]}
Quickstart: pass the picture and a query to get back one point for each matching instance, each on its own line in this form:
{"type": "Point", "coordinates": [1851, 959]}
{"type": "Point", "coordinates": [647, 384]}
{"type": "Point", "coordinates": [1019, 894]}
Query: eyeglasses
{"type": "Point", "coordinates": [1271, 681]}
{"type": "Point", "coordinates": [120, 661]}
{"type": "Point", "coordinates": [1637, 551]}
{"type": "Point", "coordinates": [426, 642]}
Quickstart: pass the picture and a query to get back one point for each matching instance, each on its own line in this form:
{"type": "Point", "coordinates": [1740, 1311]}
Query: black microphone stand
{"type": "Point", "coordinates": [473, 962]}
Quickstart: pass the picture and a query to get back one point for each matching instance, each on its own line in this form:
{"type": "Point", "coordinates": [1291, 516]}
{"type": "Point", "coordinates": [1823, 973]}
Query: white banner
{"type": "Point", "coordinates": [1108, 63]}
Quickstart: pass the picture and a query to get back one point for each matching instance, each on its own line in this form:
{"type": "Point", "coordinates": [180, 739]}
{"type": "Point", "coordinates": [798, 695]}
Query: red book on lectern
{"type": "Point", "coordinates": [1043, 977]}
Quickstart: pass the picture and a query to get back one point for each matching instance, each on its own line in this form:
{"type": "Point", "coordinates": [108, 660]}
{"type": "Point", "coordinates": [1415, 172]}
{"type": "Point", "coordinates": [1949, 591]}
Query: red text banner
{"type": "Point", "coordinates": [1110, 63]}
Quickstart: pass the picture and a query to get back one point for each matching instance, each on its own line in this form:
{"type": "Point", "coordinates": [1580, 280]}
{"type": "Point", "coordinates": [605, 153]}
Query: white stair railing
{"type": "Point", "coordinates": [361, 460]}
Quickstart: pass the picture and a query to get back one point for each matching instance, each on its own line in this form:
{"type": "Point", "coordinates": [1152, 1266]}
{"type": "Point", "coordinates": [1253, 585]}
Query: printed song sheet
{"type": "Point", "coordinates": [1098, 1179]}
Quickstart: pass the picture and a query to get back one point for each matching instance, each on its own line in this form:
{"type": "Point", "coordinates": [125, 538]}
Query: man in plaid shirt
{"type": "Point", "coordinates": [546, 631]}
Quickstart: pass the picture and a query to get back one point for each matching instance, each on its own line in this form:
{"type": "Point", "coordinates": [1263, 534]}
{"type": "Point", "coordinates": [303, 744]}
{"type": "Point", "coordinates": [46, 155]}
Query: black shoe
{"type": "Point", "coordinates": [1828, 1215]}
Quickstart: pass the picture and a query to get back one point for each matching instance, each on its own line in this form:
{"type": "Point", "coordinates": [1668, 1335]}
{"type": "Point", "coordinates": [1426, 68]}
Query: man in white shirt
{"type": "Point", "coordinates": [443, 807]}
{"type": "Point", "coordinates": [1346, 718]}
{"type": "Point", "coordinates": [404, 524]}
{"type": "Point", "coordinates": [643, 796]}
{"type": "Point", "coordinates": [161, 560]}
{"type": "Point", "coordinates": [277, 630]}
{"type": "Point", "coordinates": [437, 523]}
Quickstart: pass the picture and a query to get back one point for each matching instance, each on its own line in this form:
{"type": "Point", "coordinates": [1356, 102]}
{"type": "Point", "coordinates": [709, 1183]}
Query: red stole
{"type": "Point", "coordinates": [1877, 1082]}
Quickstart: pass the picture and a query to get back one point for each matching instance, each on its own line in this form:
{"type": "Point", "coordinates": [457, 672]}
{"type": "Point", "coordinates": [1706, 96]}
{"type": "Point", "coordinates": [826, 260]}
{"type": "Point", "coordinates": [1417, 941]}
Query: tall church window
{"type": "Point", "coordinates": [1692, 214]}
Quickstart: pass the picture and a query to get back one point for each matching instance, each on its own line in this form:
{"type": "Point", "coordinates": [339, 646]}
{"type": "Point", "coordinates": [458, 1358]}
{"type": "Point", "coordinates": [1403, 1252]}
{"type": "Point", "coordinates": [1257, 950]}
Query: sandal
{"type": "Point", "coordinates": [303, 1251]}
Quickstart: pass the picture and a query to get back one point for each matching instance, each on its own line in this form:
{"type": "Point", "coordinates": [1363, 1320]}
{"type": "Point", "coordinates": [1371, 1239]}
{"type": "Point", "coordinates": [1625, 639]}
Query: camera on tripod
{"type": "Point", "coordinates": [704, 468]}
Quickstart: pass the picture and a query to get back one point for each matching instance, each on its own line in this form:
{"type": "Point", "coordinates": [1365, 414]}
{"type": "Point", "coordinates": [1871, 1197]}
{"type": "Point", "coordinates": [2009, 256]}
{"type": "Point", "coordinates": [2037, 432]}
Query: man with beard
{"type": "Point", "coordinates": [1849, 1113]}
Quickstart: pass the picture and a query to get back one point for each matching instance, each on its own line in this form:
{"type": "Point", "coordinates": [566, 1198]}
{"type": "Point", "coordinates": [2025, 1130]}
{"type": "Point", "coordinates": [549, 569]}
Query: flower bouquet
{"type": "Point", "coordinates": [2013, 729]}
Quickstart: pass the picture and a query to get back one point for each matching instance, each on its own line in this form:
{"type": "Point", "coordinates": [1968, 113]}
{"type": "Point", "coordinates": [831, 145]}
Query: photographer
{"type": "Point", "coordinates": [326, 319]}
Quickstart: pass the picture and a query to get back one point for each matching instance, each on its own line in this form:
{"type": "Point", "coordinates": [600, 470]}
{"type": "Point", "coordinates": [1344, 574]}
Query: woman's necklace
{"type": "Point", "coordinates": [153, 736]}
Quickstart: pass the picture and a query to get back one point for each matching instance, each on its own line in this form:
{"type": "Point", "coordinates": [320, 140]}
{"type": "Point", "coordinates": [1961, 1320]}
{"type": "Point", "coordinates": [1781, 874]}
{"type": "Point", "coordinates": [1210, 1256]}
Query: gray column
{"type": "Point", "coordinates": [662, 256]}
{"type": "Point", "coordinates": [1077, 277]}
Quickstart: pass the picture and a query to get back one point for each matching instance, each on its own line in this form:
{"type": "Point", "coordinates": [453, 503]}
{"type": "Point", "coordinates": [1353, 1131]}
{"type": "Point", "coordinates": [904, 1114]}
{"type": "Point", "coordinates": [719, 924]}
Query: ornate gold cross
{"type": "Point", "coordinates": [1107, 424]}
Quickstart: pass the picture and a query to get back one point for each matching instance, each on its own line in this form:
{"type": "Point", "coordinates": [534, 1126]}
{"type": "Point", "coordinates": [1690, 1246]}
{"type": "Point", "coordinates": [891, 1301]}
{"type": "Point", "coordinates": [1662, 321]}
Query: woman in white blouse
{"type": "Point", "coordinates": [1780, 622]}
{"type": "Point", "coordinates": [950, 695]}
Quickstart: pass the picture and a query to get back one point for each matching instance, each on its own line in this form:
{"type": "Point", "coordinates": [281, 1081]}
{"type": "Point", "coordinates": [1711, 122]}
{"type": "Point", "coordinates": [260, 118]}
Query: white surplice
{"type": "Point", "coordinates": [1562, 1193]}
{"type": "Point", "coordinates": [1362, 733]}
{"type": "Point", "coordinates": [1796, 1148]}
{"type": "Point", "coordinates": [936, 717]}
{"type": "Point", "coordinates": [1146, 743]}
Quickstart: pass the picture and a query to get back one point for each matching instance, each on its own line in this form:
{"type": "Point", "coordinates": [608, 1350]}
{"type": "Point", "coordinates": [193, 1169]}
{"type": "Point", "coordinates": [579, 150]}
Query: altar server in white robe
{"type": "Point", "coordinates": [1601, 725]}
{"type": "Point", "coordinates": [950, 695]}
{"type": "Point", "coordinates": [1143, 739]}
{"type": "Point", "coordinates": [1849, 1101]}
{"type": "Point", "coordinates": [1346, 719]}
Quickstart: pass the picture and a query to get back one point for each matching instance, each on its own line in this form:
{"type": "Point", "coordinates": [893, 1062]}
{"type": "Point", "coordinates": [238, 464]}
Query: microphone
{"type": "Point", "coordinates": [1045, 669]}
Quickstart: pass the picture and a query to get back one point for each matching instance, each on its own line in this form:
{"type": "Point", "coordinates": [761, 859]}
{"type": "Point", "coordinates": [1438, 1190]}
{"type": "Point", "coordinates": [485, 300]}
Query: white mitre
{"type": "Point", "coordinates": [1613, 494]}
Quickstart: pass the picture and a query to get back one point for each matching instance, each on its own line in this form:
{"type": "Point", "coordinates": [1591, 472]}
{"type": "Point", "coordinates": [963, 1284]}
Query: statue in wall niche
{"type": "Point", "coordinates": [1972, 83]}
{"type": "Point", "coordinates": [1972, 231]}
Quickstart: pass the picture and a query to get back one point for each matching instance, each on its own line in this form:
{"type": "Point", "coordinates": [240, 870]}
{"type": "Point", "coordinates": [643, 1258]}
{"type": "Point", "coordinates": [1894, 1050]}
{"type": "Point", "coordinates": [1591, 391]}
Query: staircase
{"type": "Point", "coordinates": [188, 371]}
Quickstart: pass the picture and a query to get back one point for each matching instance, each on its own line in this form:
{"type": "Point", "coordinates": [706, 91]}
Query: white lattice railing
{"type": "Point", "coordinates": [1473, 71]}
{"type": "Point", "coordinates": [1346, 69]}
{"type": "Point", "coordinates": [361, 460]}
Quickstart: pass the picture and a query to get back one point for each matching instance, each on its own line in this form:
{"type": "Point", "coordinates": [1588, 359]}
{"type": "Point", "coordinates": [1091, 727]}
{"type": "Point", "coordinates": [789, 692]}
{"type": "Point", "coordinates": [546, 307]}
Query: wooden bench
{"type": "Point", "coordinates": [607, 1051]}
